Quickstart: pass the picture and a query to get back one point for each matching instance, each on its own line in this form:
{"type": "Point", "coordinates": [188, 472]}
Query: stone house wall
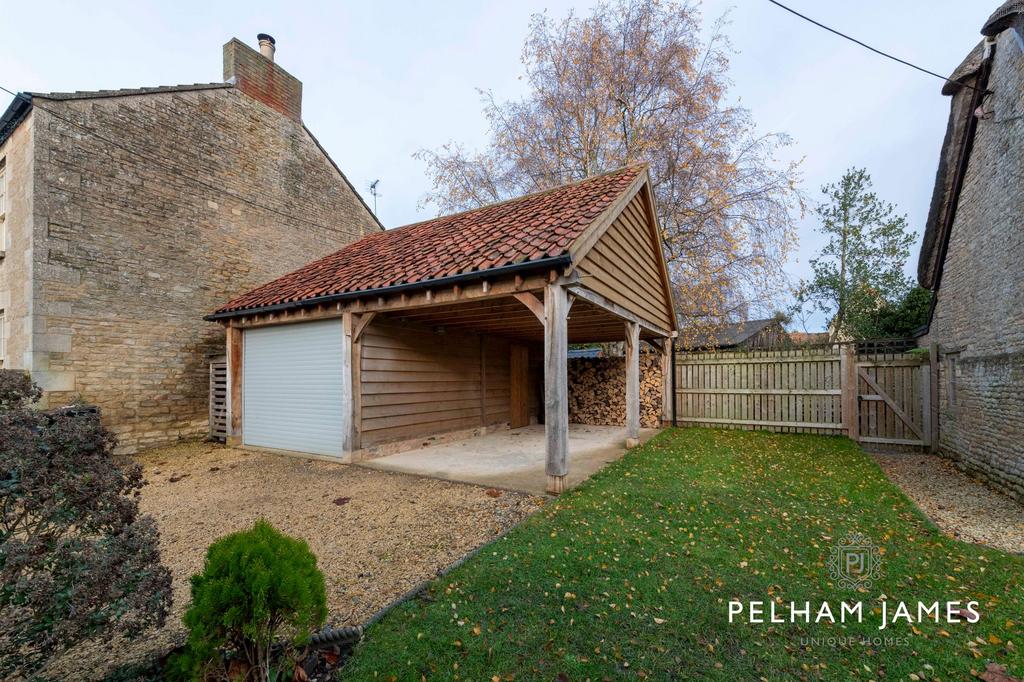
{"type": "Point", "coordinates": [978, 321]}
{"type": "Point", "coordinates": [172, 203]}
{"type": "Point", "coordinates": [16, 266]}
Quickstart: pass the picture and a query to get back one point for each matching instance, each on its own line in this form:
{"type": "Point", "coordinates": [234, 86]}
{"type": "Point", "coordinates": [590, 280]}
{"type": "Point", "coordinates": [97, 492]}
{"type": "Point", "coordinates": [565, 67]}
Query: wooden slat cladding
{"type": "Point", "coordinates": [623, 266]}
{"type": "Point", "coordinates": [219, 398]}
{"type": "Point", "coordinates": [415, 382]}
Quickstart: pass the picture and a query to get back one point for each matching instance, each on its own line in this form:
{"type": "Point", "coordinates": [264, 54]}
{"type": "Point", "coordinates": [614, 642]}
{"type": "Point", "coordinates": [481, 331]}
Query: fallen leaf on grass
{"type": "Point", "coordinates": [996, 673]}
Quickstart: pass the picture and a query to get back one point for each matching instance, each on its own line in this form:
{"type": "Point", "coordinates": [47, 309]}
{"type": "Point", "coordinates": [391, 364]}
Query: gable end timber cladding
{"type": "Point", "coordinates": [625, 264]}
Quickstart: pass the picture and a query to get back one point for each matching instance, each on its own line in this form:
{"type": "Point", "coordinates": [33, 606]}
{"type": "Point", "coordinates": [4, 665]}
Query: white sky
{"type": "Point", "coordinates": [382, 80]}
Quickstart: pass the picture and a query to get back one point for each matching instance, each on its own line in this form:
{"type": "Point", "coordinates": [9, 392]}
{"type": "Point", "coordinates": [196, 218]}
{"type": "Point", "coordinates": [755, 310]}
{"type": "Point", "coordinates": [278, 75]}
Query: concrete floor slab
{"type": "Point", "coordinates": [512, 459]}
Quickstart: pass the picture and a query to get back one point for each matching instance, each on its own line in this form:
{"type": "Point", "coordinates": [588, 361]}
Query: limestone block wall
{"type": "Point", "coordinates": [597, 391]}
{"type": "Point", "coordinates": [16, 264]}
{"type": "Point", "coordinates": [979, 315]}
{"type": "Point", "coordinates": [205, 195]}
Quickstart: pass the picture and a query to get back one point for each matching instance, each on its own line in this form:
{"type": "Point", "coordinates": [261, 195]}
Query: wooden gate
{"type": "Point", "coordinates": [893, 396]}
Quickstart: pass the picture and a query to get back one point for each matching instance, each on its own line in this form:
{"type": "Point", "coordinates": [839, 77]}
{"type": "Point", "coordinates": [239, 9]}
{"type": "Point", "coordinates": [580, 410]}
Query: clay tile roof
{"type": "Point", "coordinates": [533, 228]}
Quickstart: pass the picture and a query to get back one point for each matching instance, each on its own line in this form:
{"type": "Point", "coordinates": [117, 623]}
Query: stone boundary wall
{"type": "Point", "coordinates": [597, 391]}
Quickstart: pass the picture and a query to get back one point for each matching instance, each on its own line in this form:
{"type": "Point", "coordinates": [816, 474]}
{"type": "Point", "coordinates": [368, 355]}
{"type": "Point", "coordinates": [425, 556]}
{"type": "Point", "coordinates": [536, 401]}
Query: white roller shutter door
{"type": "Point", "coordinates": [292, 387]}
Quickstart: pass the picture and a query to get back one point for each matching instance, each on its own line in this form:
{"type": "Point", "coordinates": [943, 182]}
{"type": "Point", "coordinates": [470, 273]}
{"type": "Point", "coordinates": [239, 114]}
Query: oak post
{"type": "Point", "coordinates": [349, 437]}
{"type": "Point", "coordinates": [666, 381]}
{"type": "Point", "coordinates": [632, 384]}
{"type": "Point", "coordinates": [556, 398]}
{"type": "Point", "coordinates": [850, 384]}
{"type": "Point", "coordinates": [233, 340]}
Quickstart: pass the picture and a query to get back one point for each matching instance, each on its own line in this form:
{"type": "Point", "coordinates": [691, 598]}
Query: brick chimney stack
{"type": "Point", "coordinates": [256, 75]}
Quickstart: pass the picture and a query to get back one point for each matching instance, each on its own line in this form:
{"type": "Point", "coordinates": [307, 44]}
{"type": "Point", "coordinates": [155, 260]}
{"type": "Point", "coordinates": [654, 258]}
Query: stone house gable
{"type": "Point", "coordinates": [133, 213]}
{"type": "Point", "coordinates": [971, 259]}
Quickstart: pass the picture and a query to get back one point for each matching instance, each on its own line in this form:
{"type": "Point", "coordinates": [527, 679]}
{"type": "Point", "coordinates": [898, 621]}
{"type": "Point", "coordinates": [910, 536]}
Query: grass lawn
{"type": "Point", "coordinates": [631, 575]}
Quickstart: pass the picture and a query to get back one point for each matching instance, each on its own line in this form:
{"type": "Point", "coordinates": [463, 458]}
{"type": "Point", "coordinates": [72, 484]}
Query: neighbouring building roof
{"type": "Point", "coordinates": [1003, 17]}
{"type": "Point", "coordinates": [808, 338]}
{"type": "Point", "coordinates": [963, 73]}
{"type": "Point", "coordinates": [532, 230]}
{"type": "Point", "coordinates": [127, 92]}
{"type": "Point", "coordinates": [732, 334]}
{"type": "Point", "coordinates": [955, 144]}
{"type": "Point", "coordinates": [22, 103]}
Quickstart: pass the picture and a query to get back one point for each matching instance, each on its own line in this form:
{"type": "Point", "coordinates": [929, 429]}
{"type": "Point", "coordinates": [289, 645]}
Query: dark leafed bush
{"type": "Point", "coordinates": [77, 560]}
{"type": "Point", "coordinates": [256, 586]}
{"type": "Point", "coordinates": [17, 389]}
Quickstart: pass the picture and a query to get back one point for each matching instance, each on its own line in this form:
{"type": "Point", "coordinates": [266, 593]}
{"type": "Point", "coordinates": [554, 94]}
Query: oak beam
{"type": "Point", "coordinates": [600, 301]}
{"type": "Point", "coordinates": [233, 342]}
{"type": "Point", "coordinates": [420, 299]}
{"type": "Point", "coordinates": [349, 435]}
{"type": "Point", "coordinates": [556, 394]}
{"type": "Point", "coordinates": [632, 384]}
{"type": "Point", "coordinates": [361, 324]}
{"type": "Point", "coordinates": [533, 304]}
{"type": "Point", "coordinates": [666, 381]}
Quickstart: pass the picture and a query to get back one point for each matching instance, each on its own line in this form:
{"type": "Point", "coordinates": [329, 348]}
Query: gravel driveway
{"type": "Point", "coordinates": [961, 506]}
{"type": "Point", "coordinates": [376, 534]}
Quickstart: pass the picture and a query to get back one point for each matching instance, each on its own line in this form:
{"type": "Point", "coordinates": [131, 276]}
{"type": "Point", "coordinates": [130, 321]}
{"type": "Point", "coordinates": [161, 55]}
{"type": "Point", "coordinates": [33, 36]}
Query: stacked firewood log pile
{"type": "Point", "coordinates": [597, 391]}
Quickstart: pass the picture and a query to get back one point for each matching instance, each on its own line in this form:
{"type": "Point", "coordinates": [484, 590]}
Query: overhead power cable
{"type": "Point", "coordinates": [868, 47]}
{"type": "Point", "coordinates": [177, 170]}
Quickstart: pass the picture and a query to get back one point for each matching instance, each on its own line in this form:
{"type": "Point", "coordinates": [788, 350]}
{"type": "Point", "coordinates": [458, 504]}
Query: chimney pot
{"type": "Point", "coordinates": [267, 45]}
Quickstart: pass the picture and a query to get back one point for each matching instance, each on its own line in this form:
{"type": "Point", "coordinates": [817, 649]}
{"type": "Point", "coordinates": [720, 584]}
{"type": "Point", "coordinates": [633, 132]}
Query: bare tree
{"type": "Point", "coordinates": [634, 82]}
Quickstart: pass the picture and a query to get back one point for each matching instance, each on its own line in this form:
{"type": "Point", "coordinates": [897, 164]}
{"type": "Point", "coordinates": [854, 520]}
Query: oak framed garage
{"type": "Point", "coordinates": [454, 325]}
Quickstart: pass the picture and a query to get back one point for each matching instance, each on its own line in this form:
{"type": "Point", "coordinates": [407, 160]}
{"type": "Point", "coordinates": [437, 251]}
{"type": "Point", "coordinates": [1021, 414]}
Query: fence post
{"type": "Point", "coordinates": [933, 393]}
{"type": "Point", "coordinates": [848, 378]}
{"type": "Point", "coordinates": [926, 404]}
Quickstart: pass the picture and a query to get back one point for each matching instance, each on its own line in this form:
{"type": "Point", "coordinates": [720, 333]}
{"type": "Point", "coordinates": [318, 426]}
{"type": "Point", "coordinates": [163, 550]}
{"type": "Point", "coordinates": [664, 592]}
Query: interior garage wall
{"type": "Point", "coordinates": [415, 382]}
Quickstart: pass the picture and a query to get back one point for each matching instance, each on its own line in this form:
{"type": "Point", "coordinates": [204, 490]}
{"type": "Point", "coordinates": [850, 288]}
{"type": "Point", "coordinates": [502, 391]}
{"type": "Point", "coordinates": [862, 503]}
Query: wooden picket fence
{"type": "Point", "coordinates": [877, 398]}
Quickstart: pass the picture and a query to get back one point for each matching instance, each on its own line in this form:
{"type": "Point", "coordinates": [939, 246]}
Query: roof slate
{"type": "Point", "coordinates": [532, 228]}
{"type": "Point", "coordinates": [126, 92]}
{"type": "Point", "coordinates": [732, 334]}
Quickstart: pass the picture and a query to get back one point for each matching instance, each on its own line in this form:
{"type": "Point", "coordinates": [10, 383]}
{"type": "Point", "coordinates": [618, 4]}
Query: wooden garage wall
{"type": "Point", "coordinates": [415, 382]}
{"type": "Point", "coordinates": [624, 266]}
